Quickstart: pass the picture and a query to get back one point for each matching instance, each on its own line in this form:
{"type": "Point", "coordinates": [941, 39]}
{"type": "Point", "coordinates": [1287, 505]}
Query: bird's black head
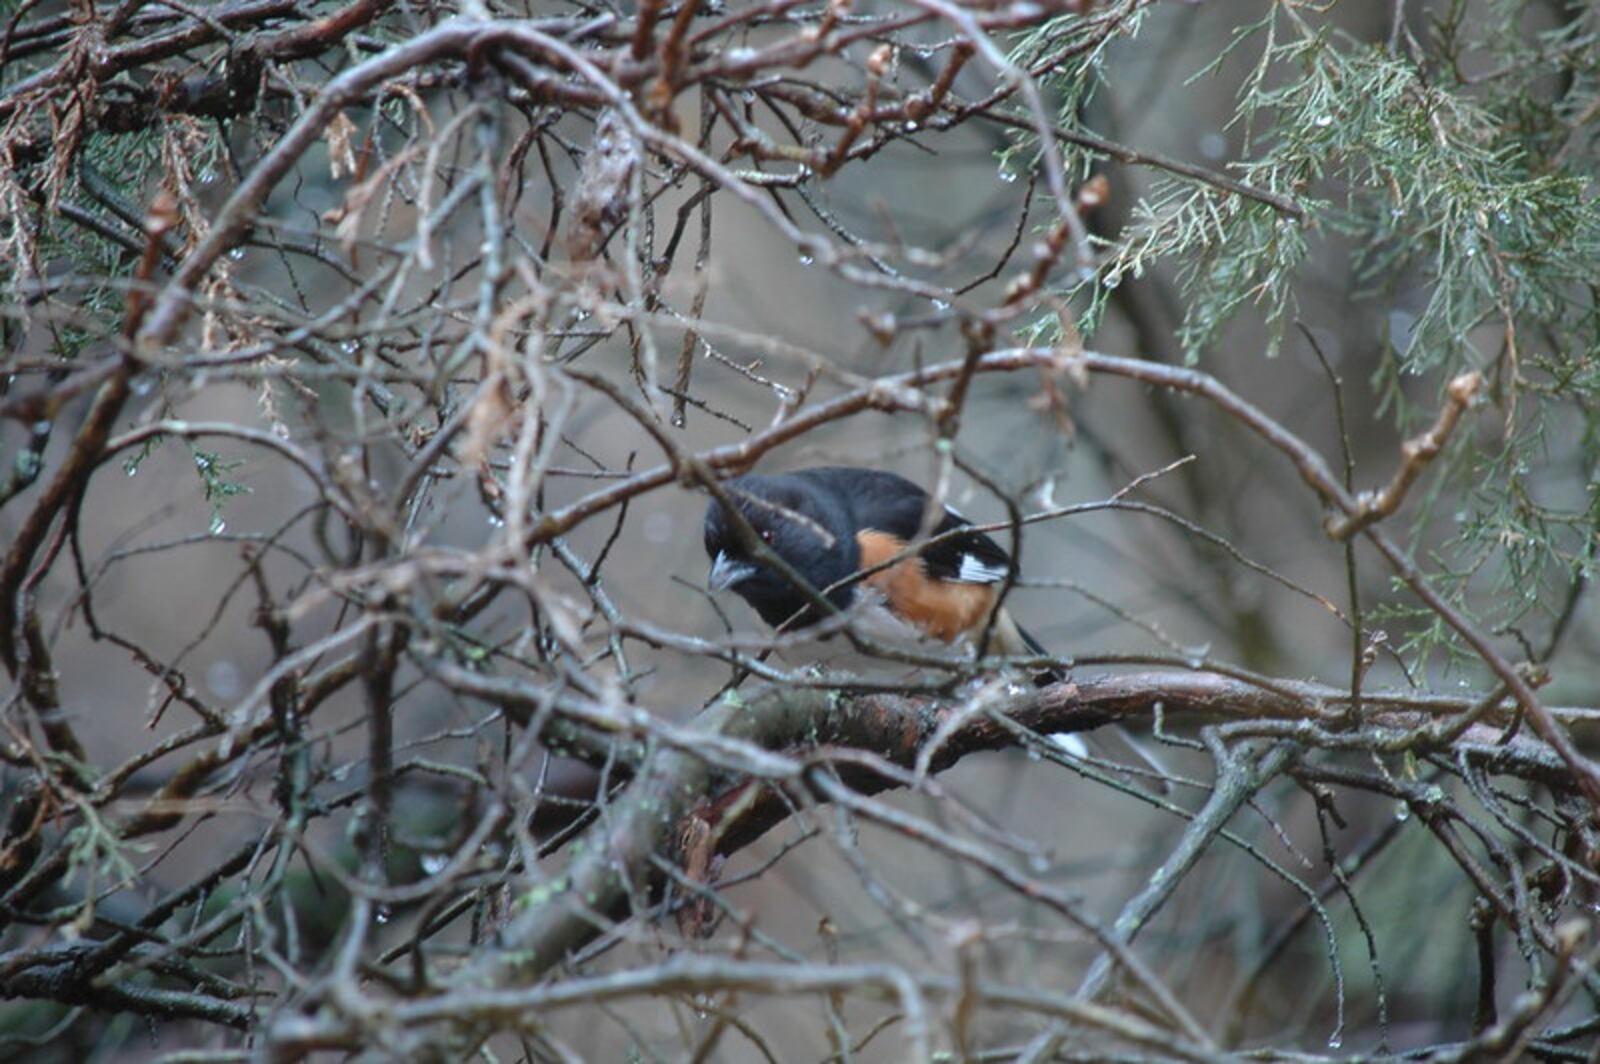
{"type": "Point", "coordinates": [805, 525]}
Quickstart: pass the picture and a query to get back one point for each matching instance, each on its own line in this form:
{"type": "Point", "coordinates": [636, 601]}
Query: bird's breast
{"type": "Point", "coordinates": [870, 618]}
{"type": "Point", "coordinates": [943, 609]}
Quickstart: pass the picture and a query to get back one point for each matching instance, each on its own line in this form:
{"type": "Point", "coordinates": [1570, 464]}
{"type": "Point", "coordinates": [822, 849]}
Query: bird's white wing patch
{"type": "Point", "coordinates": [974, 570]}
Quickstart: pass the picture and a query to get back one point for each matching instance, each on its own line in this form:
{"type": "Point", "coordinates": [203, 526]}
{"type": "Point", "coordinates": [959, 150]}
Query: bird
{"type": "Point", "coordinates": [874, 547]}
{"type": "Point", "coordinates": [845, 531]}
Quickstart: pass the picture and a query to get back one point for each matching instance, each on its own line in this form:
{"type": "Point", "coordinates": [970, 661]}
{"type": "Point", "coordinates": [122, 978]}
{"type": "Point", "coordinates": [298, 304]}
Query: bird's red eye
{"type": "Point", "coordinates": [767, 536]}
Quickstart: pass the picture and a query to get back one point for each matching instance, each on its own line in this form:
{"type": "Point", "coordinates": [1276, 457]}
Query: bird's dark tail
{"type": "Point", "coordinates": [1013, 639]}
{"type": "Point", "coordinates": [1046, 677]}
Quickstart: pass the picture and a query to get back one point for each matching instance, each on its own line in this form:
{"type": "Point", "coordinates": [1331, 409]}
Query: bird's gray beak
{"type": "Point", "coordinates": [726, 572]}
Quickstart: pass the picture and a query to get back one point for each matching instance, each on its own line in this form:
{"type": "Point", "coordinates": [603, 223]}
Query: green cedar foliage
{"type": "Point", "coordinates": [1455, 162]}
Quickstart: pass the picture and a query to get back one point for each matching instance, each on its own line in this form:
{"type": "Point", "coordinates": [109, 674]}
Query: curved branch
{"type": "Point", "coordinates": [676, 782]}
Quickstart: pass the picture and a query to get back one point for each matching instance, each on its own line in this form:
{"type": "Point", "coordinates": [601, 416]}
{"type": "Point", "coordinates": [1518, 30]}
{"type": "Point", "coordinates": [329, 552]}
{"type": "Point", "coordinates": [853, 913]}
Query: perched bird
{"type": "Point", "coordinates": [836, 528]}
{"type": "Point", "coordinates": [839, 529]}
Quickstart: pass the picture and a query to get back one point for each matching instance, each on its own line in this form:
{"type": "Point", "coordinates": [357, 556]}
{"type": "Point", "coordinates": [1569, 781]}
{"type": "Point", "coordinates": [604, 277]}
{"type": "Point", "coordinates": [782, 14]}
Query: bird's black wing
{"type": "Point", "coordinates": [890, 503]}
{"type": "Point", "coordinates": [970, 557]}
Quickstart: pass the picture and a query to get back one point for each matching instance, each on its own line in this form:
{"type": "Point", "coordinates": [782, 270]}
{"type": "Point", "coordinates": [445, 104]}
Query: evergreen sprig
{"type": "Point", "coordinates": [1455, 173]}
